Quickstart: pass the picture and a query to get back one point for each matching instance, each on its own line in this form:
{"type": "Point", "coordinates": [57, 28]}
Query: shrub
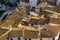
{"type": "Point", "coordinates": [10, 4]}
{"type": "Point", "coordinates": [1, 12]}
{"type": "Point", "coordinates": [4, 17]}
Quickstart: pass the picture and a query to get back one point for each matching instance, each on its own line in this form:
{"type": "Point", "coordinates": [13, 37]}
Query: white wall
{"type": "Point", "coordinates": [33, 3]}
{"type": "Point", "coordinates": [23, 3]}
{"type": "Point", "coordinates": [58, 2]}
{"type": "Point", "coordinates": [16, 38]}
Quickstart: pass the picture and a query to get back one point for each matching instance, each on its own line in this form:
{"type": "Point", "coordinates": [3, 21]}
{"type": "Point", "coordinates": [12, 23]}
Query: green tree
{"type": "Point", "coordinates": [3, 1]}
{"type": "Point", "coordinates": [9, 4]}
{"type": "Point", "coordinates": [17, 0]}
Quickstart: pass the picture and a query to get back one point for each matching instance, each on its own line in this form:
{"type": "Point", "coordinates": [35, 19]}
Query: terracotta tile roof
{"type": "Point", "coordinates": [15, 17]}
{"type": "Point", "coordinates": [33, 21]}
{"type": "Point", "coordinates": [2, 31]}
{"type": "Point", "coordinates": [53, 29]}
{"type": "Point", "coordinates": [55, 20]}
{"type": "Point", "coordinates": [44, 33]}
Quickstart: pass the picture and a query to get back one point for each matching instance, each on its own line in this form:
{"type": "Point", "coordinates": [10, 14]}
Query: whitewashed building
{"type": "Point", "coordinates": [31, 3]}
{"type": "Point", "coordinates": [58, 2]}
